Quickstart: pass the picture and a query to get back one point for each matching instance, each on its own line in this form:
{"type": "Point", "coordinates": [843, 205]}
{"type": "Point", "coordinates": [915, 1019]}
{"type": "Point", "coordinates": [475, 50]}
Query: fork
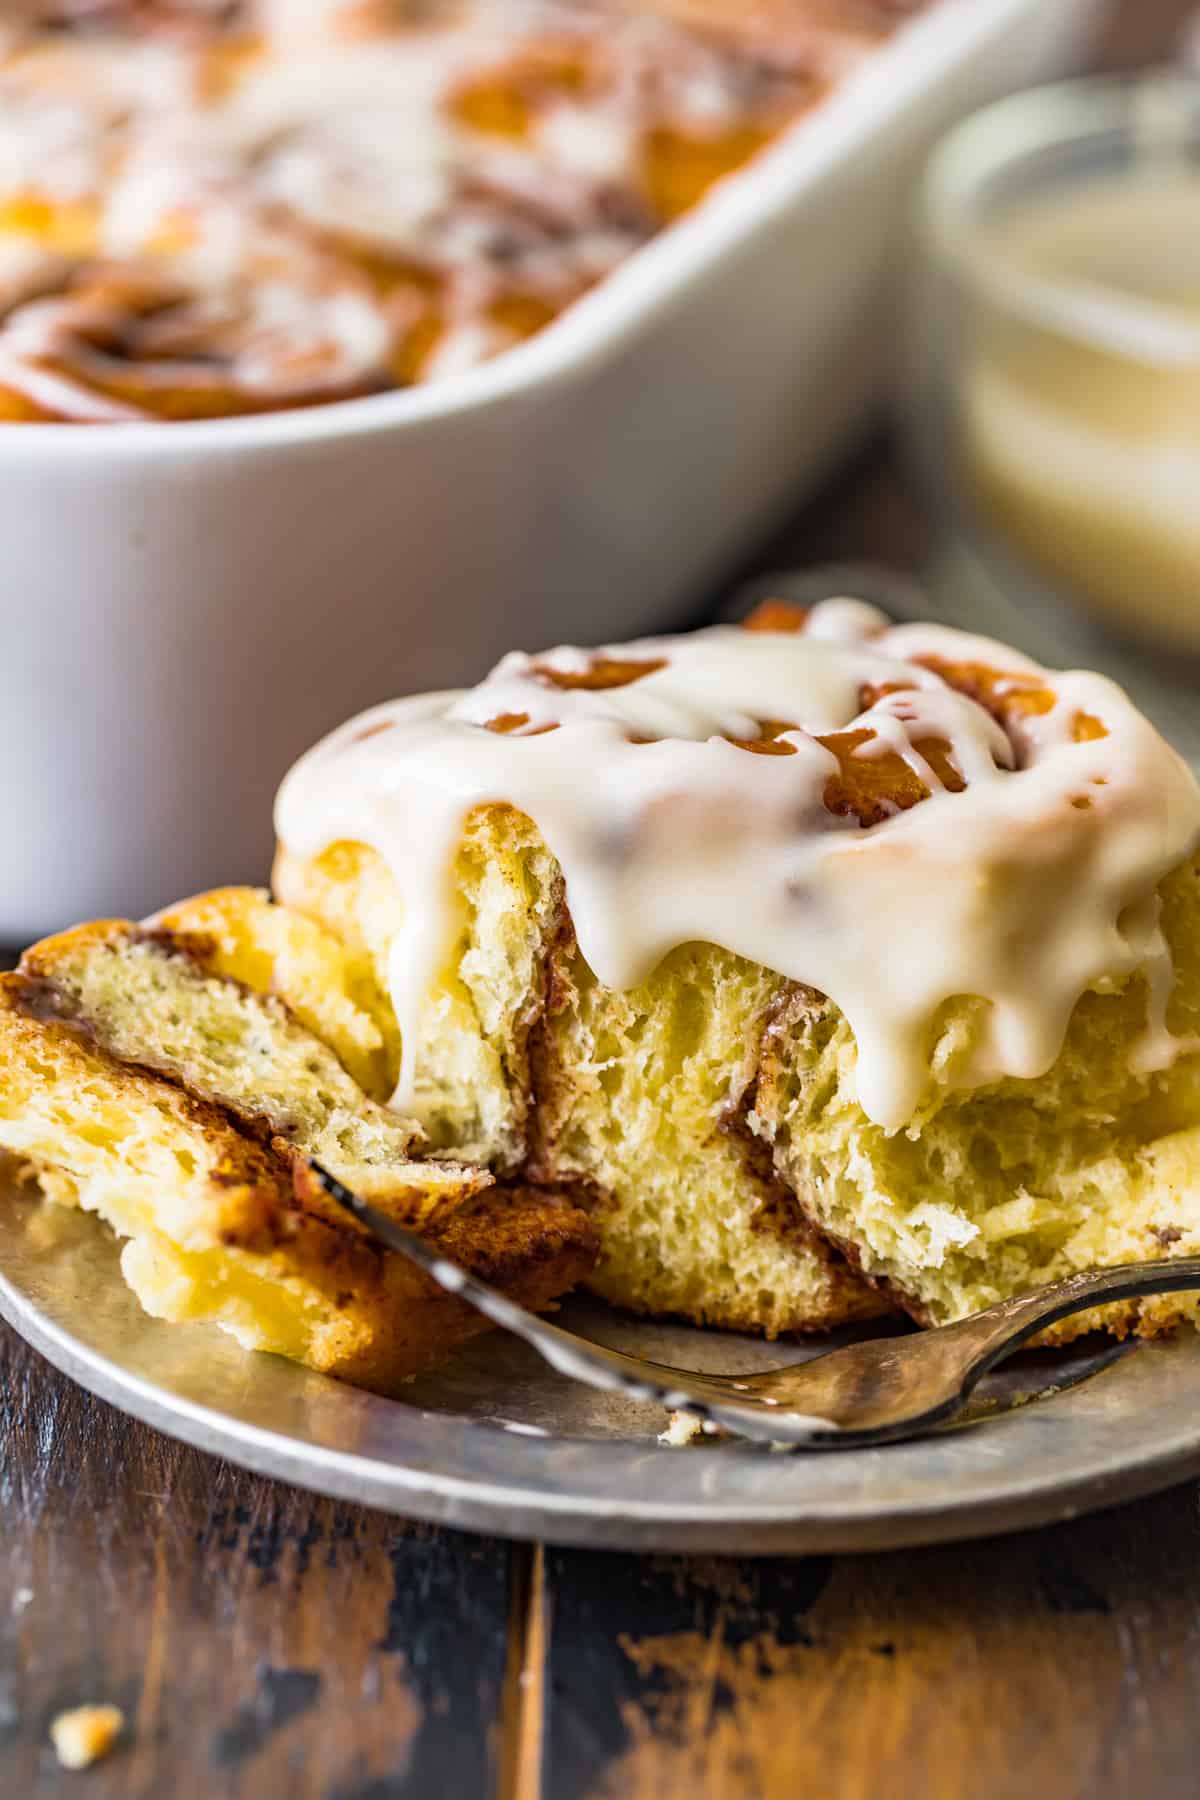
{"type": "Point", "coordinates": [876, 1392]}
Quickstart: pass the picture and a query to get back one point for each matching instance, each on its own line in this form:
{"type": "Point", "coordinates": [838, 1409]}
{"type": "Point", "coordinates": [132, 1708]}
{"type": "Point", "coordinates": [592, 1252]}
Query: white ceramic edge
{"type": "Point", "coordinates": [658, 275]}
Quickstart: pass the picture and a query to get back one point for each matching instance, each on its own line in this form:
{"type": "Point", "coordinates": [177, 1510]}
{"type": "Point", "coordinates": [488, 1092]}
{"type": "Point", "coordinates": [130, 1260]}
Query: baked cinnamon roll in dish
{"type": "Point", "coordinates": [763, 977]}
{"type": "Point", "coordinates": [216, 207]}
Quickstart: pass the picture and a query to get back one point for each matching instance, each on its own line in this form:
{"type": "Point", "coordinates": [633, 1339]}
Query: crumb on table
{"type": "Point", "coordinates": [85, 1733]}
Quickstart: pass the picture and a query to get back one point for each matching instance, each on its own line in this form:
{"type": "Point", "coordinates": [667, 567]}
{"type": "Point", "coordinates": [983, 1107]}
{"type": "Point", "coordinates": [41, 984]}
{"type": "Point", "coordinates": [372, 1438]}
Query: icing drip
{"type": "Point", "coordinates": [893, 816]}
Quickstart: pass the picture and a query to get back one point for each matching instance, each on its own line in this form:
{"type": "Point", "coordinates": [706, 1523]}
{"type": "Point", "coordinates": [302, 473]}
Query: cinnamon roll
{"type": "Point", "coordinates": [214, 207]}
{"type": "Point", "coordinates": [767, 978]}
{"type": "Point", "coordinates": [821, 946]}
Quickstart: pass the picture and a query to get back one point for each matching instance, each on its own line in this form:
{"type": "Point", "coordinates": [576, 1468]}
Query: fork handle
{"type": "Point", "coordinates": [1012, 1322]}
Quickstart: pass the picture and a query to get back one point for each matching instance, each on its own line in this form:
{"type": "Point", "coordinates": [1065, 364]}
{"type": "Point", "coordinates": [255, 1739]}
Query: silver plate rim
{"type": "Point", "coordinates": [532, 1497]}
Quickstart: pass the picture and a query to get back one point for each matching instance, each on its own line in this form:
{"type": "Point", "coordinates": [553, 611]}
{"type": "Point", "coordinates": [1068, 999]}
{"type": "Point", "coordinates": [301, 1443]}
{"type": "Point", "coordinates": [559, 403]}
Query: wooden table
{"type": "Point", "coordinates": [262, 1642]}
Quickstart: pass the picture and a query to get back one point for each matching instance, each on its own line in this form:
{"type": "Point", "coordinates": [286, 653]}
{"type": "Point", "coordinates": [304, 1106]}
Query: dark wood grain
{"type": "Point", "coordinates": [1135, 33]}
{"type": "Point", "coordinates": [1064, 1665]}
{"type": "Point", "coordinates": [259, 1641]}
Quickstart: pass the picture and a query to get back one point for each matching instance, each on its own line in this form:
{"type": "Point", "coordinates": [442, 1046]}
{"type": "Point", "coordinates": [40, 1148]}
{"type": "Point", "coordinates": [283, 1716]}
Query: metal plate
{"type": "Point", "coordinates": [497, 1443]}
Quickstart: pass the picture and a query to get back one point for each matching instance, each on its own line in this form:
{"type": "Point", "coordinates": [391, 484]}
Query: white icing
{"type": "Point", "coordinates": [584, 141]}
{"type": "Point", "coordinates": [1008, 890]}
{"type": "Point", "coordinates": [47, 144]}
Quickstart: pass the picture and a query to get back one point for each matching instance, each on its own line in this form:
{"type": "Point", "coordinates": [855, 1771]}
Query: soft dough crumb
{"type": "Point", "coordinates": [85, 1734]}
{"type": "Point", "coordinates": [682, 1429]}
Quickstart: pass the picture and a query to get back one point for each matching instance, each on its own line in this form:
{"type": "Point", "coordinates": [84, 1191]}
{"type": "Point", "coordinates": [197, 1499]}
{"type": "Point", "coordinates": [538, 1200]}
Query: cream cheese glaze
{"type": "Point", "coordinates": [1024, 873]}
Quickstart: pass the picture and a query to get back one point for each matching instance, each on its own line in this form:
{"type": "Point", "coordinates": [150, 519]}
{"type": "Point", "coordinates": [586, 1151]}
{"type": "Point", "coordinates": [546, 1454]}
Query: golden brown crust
{"type": "Point", "coordinates": [256, 1203]}
{"type": "Point", "coordinates": [534, 1246]}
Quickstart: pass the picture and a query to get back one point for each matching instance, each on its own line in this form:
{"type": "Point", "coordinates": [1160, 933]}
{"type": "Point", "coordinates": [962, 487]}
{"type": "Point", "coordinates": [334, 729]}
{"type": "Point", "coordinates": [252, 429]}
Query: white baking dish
{"type": "Point", "coordinates": [189, 605]}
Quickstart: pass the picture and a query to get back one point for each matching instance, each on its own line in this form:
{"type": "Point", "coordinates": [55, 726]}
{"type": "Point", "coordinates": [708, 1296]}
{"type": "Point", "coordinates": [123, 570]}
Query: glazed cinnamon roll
{"type": "Point", "coordinates": [828, 944]}
{"type": "Point", "coordinates": [765, 978]}
{"type": "Point", "coordinates": [224, 206]}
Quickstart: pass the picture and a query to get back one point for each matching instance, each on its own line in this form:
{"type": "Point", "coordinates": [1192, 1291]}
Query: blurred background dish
{"type": "Point", "coordinates": [217, 209]}
{"type": "Point", "coordinates": [1057, 393]}
{"type": "Point", "coordinates": [209, 210]}
{"type": "Point", "coordinates": [191, 606]}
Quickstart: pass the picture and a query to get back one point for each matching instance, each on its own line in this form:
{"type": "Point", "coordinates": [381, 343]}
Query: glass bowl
{"type": "Point", "coordinates": [1053, 400]}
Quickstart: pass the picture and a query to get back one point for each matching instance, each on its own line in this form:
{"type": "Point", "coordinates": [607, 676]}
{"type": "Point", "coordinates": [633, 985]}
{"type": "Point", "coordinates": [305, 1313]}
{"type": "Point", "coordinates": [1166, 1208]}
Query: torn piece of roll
{"type": "Point", "coordinates": [171, 1081]}
{"type": "Point", "coordinates": [838, 963]}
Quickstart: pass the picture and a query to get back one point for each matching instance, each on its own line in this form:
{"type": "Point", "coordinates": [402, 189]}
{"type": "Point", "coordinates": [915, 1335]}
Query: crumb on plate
{"type": "Point", "coordinates": [682, 1429]}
